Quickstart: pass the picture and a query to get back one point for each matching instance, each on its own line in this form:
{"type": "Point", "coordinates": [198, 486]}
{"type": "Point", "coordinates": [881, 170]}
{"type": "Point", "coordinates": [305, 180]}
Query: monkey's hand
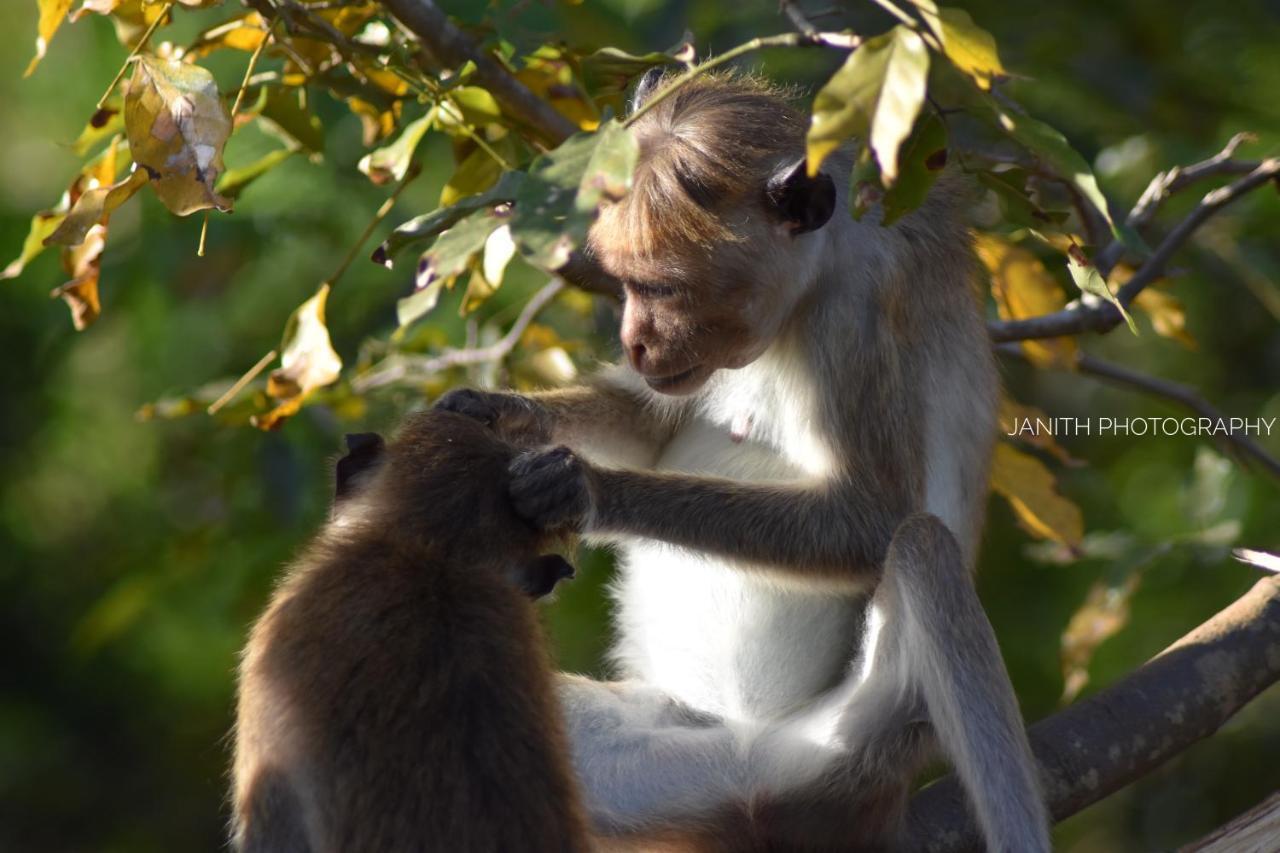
{"type": "Point", "coordinates": [551, 489]}
{"type": "Point", "coordinates": [516, 418]}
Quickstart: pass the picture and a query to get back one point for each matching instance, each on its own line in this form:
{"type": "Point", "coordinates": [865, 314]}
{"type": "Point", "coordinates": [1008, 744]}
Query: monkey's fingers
{"type": "Point", "coordinates": [549, 489]}
{"type": "Point", "coordinates": [541, 575]}
{"type": "Point", "coordinates": [473, 404]}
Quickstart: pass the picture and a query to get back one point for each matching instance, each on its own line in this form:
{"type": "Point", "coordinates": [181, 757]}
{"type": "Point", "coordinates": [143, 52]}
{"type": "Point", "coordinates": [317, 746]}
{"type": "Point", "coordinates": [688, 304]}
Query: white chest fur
{"type": "Point", "coordinates": [725, 640]}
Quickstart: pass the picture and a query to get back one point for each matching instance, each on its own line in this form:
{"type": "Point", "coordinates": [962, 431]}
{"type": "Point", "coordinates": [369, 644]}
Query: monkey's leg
{"type": "Point", "coordinates": [647, 762]}
{"type": "Point", "coordinates": [930, 627]}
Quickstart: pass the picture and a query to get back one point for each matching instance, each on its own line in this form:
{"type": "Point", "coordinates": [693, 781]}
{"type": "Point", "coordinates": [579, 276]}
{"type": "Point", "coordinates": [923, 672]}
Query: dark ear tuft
{"type": "Point", "coordinates": [364, 453]}
{"type": "Point", "coordinates": [540, 576]}
{"type": "Point", "coordinates": [649, 83]}
{"type": "Point", "coordinates": [802, 202]}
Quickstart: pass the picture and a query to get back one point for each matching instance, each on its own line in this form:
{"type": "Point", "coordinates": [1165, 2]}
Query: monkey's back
{"type": "Point", "coordinates": [397, 697]}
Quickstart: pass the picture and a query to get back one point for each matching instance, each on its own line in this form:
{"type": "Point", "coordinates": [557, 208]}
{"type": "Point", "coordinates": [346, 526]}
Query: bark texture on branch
{"type": "Point", "coordinates": [1122, 733]}
{"type": "Point", "coordinates": [1257, 829]}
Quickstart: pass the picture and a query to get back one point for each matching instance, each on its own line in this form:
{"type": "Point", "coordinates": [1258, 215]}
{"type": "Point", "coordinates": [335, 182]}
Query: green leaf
{"type": "Point", "coordinates": [565, 187]}
{"type": "Point", "coordinates": [1089, 280]}
{"type": "Point", "coordinates": [875, 96]}
{"type": "Point", "coordinates": [448, 256]}
{"type": "Point", "coordinates": [423, 228]}
{"type": "Point", "coordinates": [1052, 149]}
{"type": "Point", "coordinates": [391, 162]}
{"type": "Point", "coordinates": [43, 224]}
{"type": "Point", "coordinates": [234, 181]}
{"type": "Point", "coordinates": [923, 157]}
{"type": "Point", "coordinates": [969, 47]}
{"type": "Point", "coordinates": [1016, 205]}
{"type": "Point", "coordinates": [476, 173]}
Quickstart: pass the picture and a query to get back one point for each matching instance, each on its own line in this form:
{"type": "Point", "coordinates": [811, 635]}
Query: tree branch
{"type": "Point", "coordinates": [399, 367]}
{"type": "Point", "coordinates": [1183, 395]}
{"type": "Point", "coordinates": [1256, 829]}
{"type": "Point", "coordinates": [1103, 743]}
{"type": "Point", "coordinates": [451, 46]}
{"type": "Point", "coordinates": [1092, 315]}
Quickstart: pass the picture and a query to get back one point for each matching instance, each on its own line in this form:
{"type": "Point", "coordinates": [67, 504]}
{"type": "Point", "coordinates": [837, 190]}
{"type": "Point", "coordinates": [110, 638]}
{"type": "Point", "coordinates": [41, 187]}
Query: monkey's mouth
{"type": "Point", "coordinates": [676, 383]}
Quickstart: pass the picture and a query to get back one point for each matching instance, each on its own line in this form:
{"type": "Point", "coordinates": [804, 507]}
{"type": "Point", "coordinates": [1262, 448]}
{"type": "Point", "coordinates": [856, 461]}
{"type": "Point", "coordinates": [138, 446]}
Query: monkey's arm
{"type": "Point", "coordinates": [838, 531]}
{"type": "Point", "coordinates": [604, 420]}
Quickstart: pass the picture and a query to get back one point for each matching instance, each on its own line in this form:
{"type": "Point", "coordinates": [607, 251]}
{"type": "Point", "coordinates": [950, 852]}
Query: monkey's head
{"type": "Point", "coordinates": [720, 234]}
{"type": "Point", "coordinates": [443, 479]}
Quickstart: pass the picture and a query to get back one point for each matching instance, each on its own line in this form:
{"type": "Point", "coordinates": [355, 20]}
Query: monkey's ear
{"type": "Point", "coordinates": [801, 202]}
{"type": "Point", "coordinates": [540, 575]}
{"type": "Point", "coordinates": [364, 452]}
{"type": "Point", "coordinates": [648, 84]}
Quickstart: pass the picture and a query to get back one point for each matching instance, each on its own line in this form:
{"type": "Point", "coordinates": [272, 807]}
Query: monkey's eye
{"type": "Point", "coordinates": [650, 291]}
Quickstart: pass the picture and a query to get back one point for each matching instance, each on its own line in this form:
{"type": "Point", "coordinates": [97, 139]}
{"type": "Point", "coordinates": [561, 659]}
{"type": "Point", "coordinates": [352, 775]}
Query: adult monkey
{"type": "Point", "coordinates": [794, 467]}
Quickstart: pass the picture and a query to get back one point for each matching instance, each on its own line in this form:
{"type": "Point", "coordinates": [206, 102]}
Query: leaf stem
{"type": "Point", "coordinates": [142, 42]}
{"type": "Point", "coordinates": [239, 384]}
{"type": "Point", "coordinates": [253, 62]}
{"type": "Point", "coordinates": [414, 170]}
{"type": "Point", "coordinates": [896, 11]}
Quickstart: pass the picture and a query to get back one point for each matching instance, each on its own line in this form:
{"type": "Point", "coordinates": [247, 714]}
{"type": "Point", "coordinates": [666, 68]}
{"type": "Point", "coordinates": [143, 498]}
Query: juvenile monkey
{"type": "Point", "coordinates": [792, 460]}
{"type": "Point", "coordinates": [396, 695]}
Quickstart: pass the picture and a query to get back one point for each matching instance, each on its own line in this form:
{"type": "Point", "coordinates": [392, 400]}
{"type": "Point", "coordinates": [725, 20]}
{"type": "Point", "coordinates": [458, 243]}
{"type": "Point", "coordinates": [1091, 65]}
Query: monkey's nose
{"type": "Point", "coordinates": [636, 352]}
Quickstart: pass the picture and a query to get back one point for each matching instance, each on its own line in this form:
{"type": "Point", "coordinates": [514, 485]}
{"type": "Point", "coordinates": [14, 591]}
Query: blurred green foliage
{"type": "Point", "coordinates": [136, 554]}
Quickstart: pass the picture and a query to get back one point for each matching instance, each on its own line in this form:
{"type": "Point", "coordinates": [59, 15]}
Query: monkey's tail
{"type": "Point", "coordinates": [956, 663]}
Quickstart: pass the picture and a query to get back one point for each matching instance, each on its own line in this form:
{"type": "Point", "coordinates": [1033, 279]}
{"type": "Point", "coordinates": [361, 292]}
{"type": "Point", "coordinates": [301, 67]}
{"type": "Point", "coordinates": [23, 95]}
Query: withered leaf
{"type": "Point", "coordinates": [177, 126]}
{"type": "Point", "coordinates": [307, 362]}
{"type": "Point", "coordinates": [93, 206]}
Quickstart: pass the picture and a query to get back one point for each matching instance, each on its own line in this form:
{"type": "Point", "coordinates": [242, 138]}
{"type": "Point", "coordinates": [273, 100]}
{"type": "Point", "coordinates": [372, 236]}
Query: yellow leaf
{"type": "Point", "coordinates": [476, 173]}
{"type": "Point", "coordinates": [554, 366]}
{"type": "Point", "coordinates": [43, 224]}
{"type": "Point", "coordinates": [1104, 612]}
{"type": "Point", "coordinates": [1031, 490]}
{"type": "Point", "coordinates": [1168, 316]}
{"type": "Point", "coordinates": [52, 12]}
{"type": "Point", "coordinates": [550, 76]}
{"type": "Point", "coordinates": [969, 47]}
{"type": "Point", "coordinates": [391, 162]}
{"type": "Point", "coordinates": [307, 361]}
{"type": "Point", "coordinates": [243, 33]}
{"type": "Point", "coordinates": [83, 263]}
{"type": "Point", "coordinates": [93, 207]}
{"type": "Point", "coordinates": [177, 126]}
{"type": "Point", "coordinates": [1023, 287]}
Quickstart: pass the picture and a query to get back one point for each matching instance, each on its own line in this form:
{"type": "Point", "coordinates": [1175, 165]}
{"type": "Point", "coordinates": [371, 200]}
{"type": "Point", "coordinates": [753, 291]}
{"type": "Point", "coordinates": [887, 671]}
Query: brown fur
{"type": "Point", "coordinates": [396, 695]}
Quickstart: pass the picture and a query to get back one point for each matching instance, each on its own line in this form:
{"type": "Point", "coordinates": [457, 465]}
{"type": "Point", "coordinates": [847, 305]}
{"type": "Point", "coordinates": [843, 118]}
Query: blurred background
{"type": "Point", "coordinates": [133, 555]}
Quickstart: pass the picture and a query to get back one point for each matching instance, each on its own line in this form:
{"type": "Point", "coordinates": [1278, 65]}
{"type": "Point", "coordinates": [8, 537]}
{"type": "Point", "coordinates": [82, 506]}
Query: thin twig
{"type": "Point", "coordinates": [1174, 392]}
{"type": "Point", "coordinates": [402, 366]}
{"type": "Point", "coordinates": [239, 384]}
{"type": "Point", "coordinates": [414, 170]}
{"type": "Point", "coordinates": [843, 41]}
{"type": "Point", "coordinates": [1171, 181]}
{"type": "Point", "coordinates": [1094, 316]}
{"type": "Point", "coordinates": [248, 71]}
{"type": "Point", "coordinates": [137, 48]}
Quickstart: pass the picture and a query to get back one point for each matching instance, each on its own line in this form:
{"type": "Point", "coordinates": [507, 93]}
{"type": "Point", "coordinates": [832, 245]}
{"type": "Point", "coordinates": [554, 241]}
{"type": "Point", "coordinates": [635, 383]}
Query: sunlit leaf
{"type": "Point", "coordinates": [1089, 280]}
{"type": "Point", "coordinates": [177, 126]}
{"type": "Point", "coordinates": [440, 265]}
{"type": "Point", "coordinates": [922, 157]}
{"type": "Point", "coordinates": [391, 162]}
{"type": "Point", "coordinates": [243, 33]}
{"type": "Point", "coordinates": [52, 13]}
{"type": "Point", "coordinates": [499, 249]}
{"type": "Point", "coordinates": [559, 199]}
{"type": "Point", "coordinates": [609, 70]}
{"type": "Point", "coordinates": [969, 47]}
{"type": "Point", "coordinates": [1259, 559]}
{"type": "Point", "coordinates": [1055, 154]}
{"type": "Point", "coordinates": [307, 361]}
{"type": "Point", "coordinates": [1167, 314]}
{"type": "Point", "coordinates": [83, 263]}
{"type": "Point", "coordinates": [549, 75]}
{"type": "Point", "coordinates": [1022, 287]}
{"type": "Point", "coordinates": [1103, 614]}
{"type": "Point", "coordinates": [1031, 490]}
{"type": "Point", "coordinates": [43, 224]}
{"type": "Point", "coordinates": [422, 228]}
{"type": "Point", "coordinates": [93, 207]}
{"type": "Point", "coordinates": [467, 106]}
{"type": "Point", "coordinates": [476, 173]}
{"type": "Point", "coordinates": [553, 366]}
{"type": "Point", "coordinates": [105, 123]}
{"type": "Point", "coordinates": [875, 97]}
